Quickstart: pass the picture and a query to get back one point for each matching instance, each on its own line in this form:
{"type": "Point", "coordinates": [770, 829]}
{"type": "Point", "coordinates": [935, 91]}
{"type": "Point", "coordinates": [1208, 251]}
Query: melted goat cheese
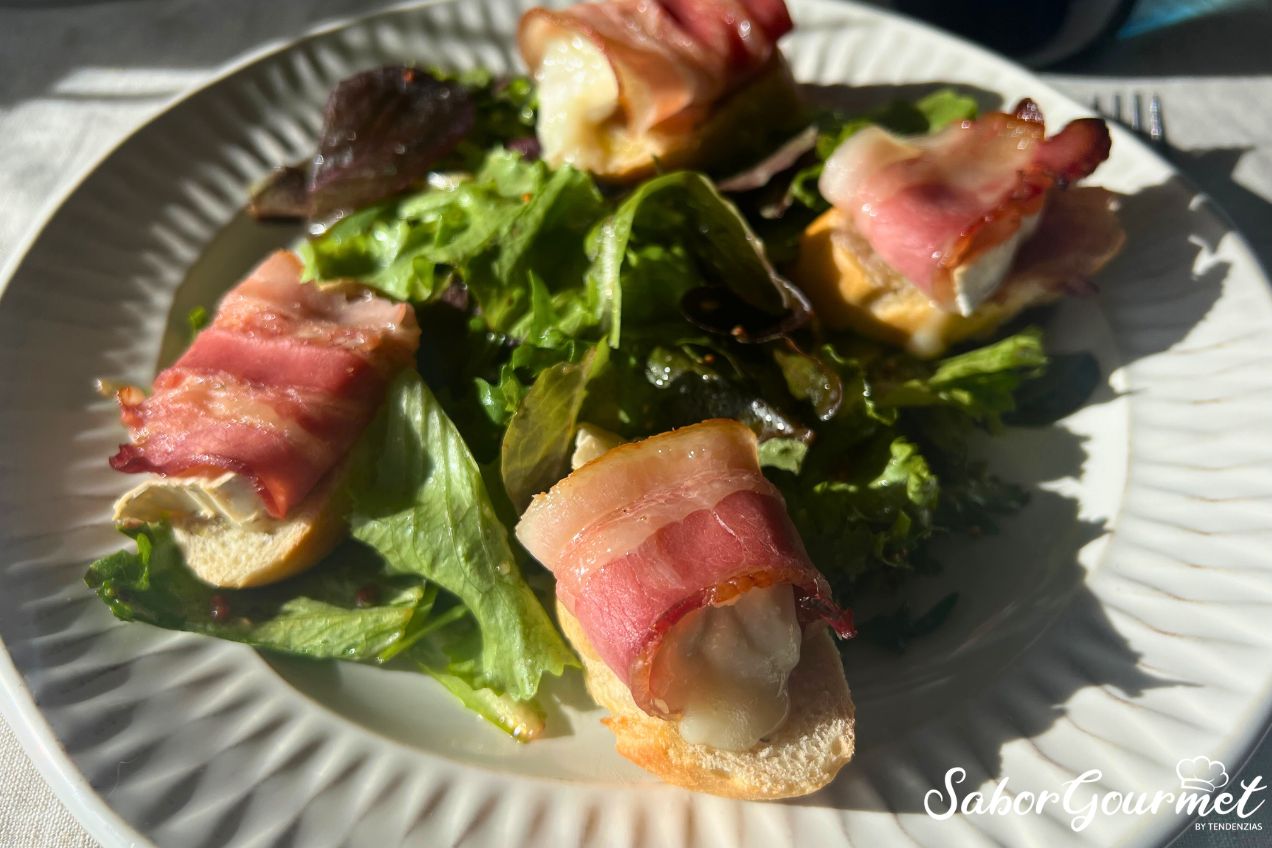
{"type": "Point", "coordinates": [230, 497]}
{"type": "Point", "coordinates": [590, 442]}
{"type": "Point", "coordinates": [724, 668]}
{"type": "Point", "coordinates": [578, 93]}
{"type": "Point", "coordinates": [977, 280]}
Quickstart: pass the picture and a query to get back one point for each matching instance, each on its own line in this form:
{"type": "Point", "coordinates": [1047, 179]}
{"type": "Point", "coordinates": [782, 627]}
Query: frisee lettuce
{"type": "Point", "coordinates": [981, 383]}
{"type": "Point", "coordinates": [498, 230]}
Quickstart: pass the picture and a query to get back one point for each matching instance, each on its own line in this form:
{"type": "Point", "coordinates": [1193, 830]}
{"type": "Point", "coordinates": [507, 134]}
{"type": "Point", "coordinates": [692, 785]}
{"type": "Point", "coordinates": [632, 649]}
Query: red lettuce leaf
{"type": "Point", "coordinates": [382, 131]}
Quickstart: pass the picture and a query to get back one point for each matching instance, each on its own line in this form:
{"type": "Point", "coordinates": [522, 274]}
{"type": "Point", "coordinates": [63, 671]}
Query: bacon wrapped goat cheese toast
{"type": "Point", "coordinates": [699, 617]}
{"type": "Point", "coordinates": [627, 86]}
{"type": "Point", "coordinates": [243, 438]}
{"type": "Point", "coordinates": [936, 239]}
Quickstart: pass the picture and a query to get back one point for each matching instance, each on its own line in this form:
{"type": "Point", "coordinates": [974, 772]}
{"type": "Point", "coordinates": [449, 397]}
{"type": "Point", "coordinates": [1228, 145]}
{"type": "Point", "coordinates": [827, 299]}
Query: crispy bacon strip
{"type": "Point", "coordinates": [930, 205]}
{"type": "Point", "coordinates": [1077, 235]}
{"type": "Point", "coordinates": [656, 529]}
{"type": "Point", "coordinates": [672, 58]}
{"type": "Point", "coordinates": [276, 389]}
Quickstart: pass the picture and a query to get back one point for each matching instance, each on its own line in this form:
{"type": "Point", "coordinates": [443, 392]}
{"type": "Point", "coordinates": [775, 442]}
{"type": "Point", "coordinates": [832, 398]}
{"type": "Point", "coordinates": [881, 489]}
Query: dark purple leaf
{"type": "Point", "coordinates": [382, 132]}
{"type": "Point", "coordinates": [527, 146]}
{"type": "Point", "coordinates": [456, 295]}
{"type": "Point", "coordinates": [721, 309]}
{"type": "Point", "coordinates": [281, 196]}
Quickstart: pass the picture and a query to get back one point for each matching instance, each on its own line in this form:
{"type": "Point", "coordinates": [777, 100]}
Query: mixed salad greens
{"type": "Point", "coordinates": [547, 301]}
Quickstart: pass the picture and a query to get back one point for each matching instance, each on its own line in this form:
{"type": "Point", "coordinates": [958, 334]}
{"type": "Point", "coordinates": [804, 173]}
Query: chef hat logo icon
{"type": "Point", "coordinates": [1201, 774]}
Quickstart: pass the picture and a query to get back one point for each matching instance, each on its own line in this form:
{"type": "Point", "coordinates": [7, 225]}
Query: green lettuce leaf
{"type": "Point", "coordinates": [351, 608]}
{"type": "Point", "coordinates": [196, 320]}
{"type": "Point", "coordinates": [540, 436]}
{"type": "Point", "coordinates": [697, 380]}
{"type": "Point", "coordinates": [972, 499]}
{"type": "Point", "coordinates": [982, 383]}
{"type": "Point", "coordinates": [896, 630]}
{"type": "Point", "coordinates": [942, 108]}
{"type": "Point", "coordinates": [453, 658]}
{"type": "Point", "coordinates": [783, 453]}
{"type": "Point", "coordinates": [875, 515]}
{"type": "Point", "coordinates": [889, 467]}
{"type": "Point", "coordinates": [513, 232]}
{"type": "Point", "coordinates": [1064, 386]}
{"type": "Point", "coordinates": [419, 499]}
{"type": "Point", "coordinates": [691, 236]}
{"type": "Point", "coordinates": [409, 247]}
{"type": "Point", "coordinates": [506, 108]}
{"type": "Point", "coordinates": [541, 246]}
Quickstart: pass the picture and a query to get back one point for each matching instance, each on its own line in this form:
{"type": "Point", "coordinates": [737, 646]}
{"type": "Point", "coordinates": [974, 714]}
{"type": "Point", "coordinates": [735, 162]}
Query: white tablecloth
{"type": "Point", "coordinates": [75, 79]}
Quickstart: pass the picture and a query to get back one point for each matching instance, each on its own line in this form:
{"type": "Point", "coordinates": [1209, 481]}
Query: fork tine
{"type": "Point", "coordinates": [1153, 131]}
{"type": "Point", "coordinates": [1156, 127]}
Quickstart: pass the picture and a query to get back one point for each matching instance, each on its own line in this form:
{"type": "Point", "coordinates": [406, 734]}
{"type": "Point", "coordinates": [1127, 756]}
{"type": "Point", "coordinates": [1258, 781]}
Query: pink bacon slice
{"type": "Point", "coordinates": [673, 59]}
{"type": "Point", "coordinates": [929, 205]}
{"type": "Point", "coordinates": [277, 389]}
{"type": "Point", "coordinates": [653, 530]}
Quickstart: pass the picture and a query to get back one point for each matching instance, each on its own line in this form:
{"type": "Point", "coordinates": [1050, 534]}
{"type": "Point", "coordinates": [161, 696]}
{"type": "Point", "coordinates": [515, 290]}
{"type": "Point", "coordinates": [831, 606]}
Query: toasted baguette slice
{"type": "Point", "coordinates": [853, 289]}
{"type": "Point", "coordinates": [769, 106]}
{"type": "Point", "coordinates": [801, 757]}
{"type": "Point", "coordinates": [238, 555]}
{"type": "Point", "coordinates": [235, 556]}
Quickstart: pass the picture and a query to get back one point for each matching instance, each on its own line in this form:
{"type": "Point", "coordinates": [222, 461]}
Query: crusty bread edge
{"type": "Point", "coordinates": [215, 550]}
{"type": "Point", "coordinates": [820, 732]}
{"type": "Point", "coordinates": [673, 148]}
{"type": "Point", "coordinates": [852, 290]}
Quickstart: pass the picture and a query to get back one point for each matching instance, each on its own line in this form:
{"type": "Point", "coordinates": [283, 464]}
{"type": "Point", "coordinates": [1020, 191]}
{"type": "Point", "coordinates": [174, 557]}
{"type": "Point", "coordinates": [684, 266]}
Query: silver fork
{"type": "Point", "coordinates": [1154, 132]}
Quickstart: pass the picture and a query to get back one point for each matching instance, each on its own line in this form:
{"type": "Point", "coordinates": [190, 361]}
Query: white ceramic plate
{"type": "Point", "coordinates": [1118, 623]}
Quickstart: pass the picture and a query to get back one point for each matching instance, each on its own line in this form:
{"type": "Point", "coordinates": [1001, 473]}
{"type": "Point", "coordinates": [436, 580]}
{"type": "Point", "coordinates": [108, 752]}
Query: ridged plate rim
{"type": "Point", "coordinates": [48, 750]}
